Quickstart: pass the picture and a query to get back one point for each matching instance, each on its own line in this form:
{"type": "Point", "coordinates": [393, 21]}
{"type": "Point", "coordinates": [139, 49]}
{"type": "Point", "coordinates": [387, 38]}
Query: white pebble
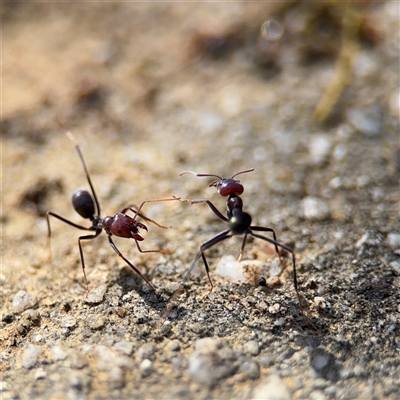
{"type": "Point", "coordinates": [23, 301]}
{"type": "Point", "coordinates": [230, 268]}
{"type": "Point", "coordinates": [395, 265]}
{"type": "Point", "coordinates": [320, 302]}
{"type": "Point", "coordinates": [96, 295]}
{"type": "Point", "coordinates": [319, 148]}
{"type": "Point", "coordinates": [367, 120]}
{"type": "Point", "coordinates": [58, 352]}
{"type": "Point", "coordinates": [146, 366]}
{"type": "Point", "coordinates": [252, 348]}
{"type": "Point", "coordinates": [207, 345]}
{"type": "Point", "coordinates": [30, 356]}
{"type": "Point", "coordinates": [394, 240]}
{"type": "Point", "coordinates": [40, 373]}
{"type": "Point", "coordinates": [274, 388]}
{"type": "Point", "coordinates": [315, 209]}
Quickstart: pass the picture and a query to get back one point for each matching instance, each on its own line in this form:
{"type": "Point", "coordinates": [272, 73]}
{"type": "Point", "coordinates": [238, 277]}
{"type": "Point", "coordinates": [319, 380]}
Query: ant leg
{"type": "Point", "coordinates": [151, 251]}
{"type": "Point", "coordinates": [211, 205]}
{"type": "Point", "coordinates": [263, 229]}
{"type": "Point", "coordinates": [289, 250]}
{"type": "Point", "coordinates": [138, 213]}
{"type": "Point", "coordinates": [143, 217]}
{"type": "Point", "coordinates": [49, 213]}
{"type": "Point", "coordinates": [114, 247]}
{"type": "Point", "coordinates": [88, 237]}
{"type": "Point", "coordinates": [206, 245]}
{"type": "Point", "coordinates": [242, 248]}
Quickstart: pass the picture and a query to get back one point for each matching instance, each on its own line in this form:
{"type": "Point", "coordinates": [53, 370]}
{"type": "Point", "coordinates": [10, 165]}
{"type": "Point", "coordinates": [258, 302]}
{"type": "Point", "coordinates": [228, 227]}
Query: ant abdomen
{"type": "Point", "coordinates": [83, 203]}
{"type": "Point", "coordinates": [239, 222]}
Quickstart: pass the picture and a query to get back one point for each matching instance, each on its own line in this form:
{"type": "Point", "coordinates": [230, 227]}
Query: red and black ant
{"type": "Point", "coordinates": [87, 205]}
{"type": "Point", "coordinates": [239, 224]}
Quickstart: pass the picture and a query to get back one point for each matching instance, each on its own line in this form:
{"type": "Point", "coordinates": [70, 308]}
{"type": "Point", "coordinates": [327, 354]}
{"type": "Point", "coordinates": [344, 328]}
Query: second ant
{"type": "Point", "coordinates": [239, 223]}
{"type": "Point", "coordinates": [87, 205]}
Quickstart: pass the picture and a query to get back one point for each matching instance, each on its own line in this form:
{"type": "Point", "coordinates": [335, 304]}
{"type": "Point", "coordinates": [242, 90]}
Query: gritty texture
{"type": "Point", "coordinates": [150, 90]}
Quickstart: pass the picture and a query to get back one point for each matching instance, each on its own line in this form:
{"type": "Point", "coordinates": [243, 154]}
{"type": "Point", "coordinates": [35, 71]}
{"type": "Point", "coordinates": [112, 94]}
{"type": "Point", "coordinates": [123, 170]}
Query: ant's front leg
{"type": "Point", "coordinates": [138, 213]}
{"type": "Point", "coordinates": [151, 251]}
{"type": "Point", "coordinates": [211, 205]}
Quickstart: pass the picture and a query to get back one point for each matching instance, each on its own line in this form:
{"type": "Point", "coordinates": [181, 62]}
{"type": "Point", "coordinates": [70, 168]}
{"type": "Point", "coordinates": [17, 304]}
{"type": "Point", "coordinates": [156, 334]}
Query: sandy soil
{"type": "Point", "coordinates": [150, 91]}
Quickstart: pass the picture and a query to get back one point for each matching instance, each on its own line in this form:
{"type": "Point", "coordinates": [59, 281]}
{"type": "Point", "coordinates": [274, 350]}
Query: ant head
{"type": "Point", "coordinates": [225, 186]}
{"type": "Point", "coordinates": [83, 203]}
{"type": "Point", "coordinates": [228, 186]}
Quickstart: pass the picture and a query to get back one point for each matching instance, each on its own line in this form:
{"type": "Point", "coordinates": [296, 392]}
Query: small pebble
{"type": "Point", "coordinates": [107, 359]}
{"type": "Point", "coordinates": [40, 373]}
{"type": "Point", "coordinates": [173, 345]}
{"type": "Point", "coordinates": [266, 360]}
{"type": "Point", "coordinates": [68, 322]}
{"type": "Point", "coordinates": [124, 347]}
{"type": "Point", "coordinates": [58, 352]}
{"type": "Point", "coordinates": [116, 377]}
{"type": "Point", "coordinates": [367, 120]}
{"type": "Point", "coordinates": [274, 309]}
{"type": "Point", "coordinates": [320, 302]}
{"type": "Point", "coordinates": [146, 351]}
{"type": "Point", "coordinates": [95, 321]}
{"type": "Point", "coordinates": [251, 347]}
{"type": "Point", "coordinates": [121, 312]}
{"type": "Point", "coordinates": [23, 301]}
{"type": "Point", "coordinates": [146, 367]}
{"type": "Point", "coordinates": [96, 295]}
{"type": "Point", "coordinates": [208, 369]}
{"type": "Point", "coordinates": [314, 208]}
{"type": "Point", "coordinates": [394, 240]}
{"type": "Point", "coordinates": [230, 268]}
{"type": "Point", "coordinates": [78, 380]}
{"type": "Point", "coordinates": [30, 356]}
{"type": "Point", "coordinates": [395, 265]}
{"type": "Point", "coordinates": [274, 389]}
{"type": "Point", "coordinates": [250, 369]}
{"type": "Point", "coordinates": [207, 345]}
{"type": "Point", "coordinates": [78, 360]}
{"type": "Point", "coordinates": [3, 387]}
{"type": "Point", "coordinates": [319, 149]}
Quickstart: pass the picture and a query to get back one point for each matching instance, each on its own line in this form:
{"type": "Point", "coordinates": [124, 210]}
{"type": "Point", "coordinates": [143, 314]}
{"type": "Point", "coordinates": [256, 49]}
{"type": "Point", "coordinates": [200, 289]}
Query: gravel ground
{"type": "Point", "coordinates": [150, 91]}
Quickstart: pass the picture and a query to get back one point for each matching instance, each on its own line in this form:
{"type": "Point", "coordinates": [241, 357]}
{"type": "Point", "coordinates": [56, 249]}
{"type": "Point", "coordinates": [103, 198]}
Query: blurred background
{"type": "Point", "coordinates": [305, 93]}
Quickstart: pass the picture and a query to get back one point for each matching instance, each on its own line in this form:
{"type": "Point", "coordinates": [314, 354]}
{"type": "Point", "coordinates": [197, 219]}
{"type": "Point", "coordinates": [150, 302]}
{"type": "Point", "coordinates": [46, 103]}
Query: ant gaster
{"type": "Point", "coordinates": [239, 224]}
{"type": "Point", "coordinates": [87, 205]}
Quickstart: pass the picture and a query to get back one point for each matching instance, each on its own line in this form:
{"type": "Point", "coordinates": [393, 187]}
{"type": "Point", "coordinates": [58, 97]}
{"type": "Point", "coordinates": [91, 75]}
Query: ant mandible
{"type": "Point", "coordinates": [239, 224]}
{"type": "Point", "coordinates": [87, 205]}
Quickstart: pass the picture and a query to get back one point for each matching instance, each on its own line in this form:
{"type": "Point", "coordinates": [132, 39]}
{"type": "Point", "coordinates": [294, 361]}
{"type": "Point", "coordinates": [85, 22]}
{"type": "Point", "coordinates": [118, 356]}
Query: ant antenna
{"type": "Point", "coordinates": [243, 172]}
{"type": "Point", "coordinates": [72, 138]}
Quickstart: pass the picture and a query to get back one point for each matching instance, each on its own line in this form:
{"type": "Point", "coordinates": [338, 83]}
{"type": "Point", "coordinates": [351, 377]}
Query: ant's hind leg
{"type": "Point", "coordinates": [263, 229]}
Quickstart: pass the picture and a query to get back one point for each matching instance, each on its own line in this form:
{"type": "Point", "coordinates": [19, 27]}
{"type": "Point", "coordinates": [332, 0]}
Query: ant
{"type": "Point", "coordinates": [239, 224]}
{"type": "Point", "coordinates": [87, 205]}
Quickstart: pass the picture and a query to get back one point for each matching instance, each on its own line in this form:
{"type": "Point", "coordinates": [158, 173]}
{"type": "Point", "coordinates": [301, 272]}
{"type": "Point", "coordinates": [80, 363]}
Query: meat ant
{"type": "Point", "coordinates": [239, 224]}
{"type": "Point", "coordinates": [87, 205]}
